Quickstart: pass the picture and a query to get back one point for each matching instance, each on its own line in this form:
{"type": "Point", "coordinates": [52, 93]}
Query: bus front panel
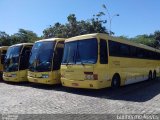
{"type": "Point", "coordinates": [44, 77]}
{"type": "Point", "coordinates": [82, 66]}
{"type": "Point", "coordinates": [45, 61]}
{"type": "Point", "coordinates": [16, 63]}
{"type": "Point", "coordinates": [17, 76]}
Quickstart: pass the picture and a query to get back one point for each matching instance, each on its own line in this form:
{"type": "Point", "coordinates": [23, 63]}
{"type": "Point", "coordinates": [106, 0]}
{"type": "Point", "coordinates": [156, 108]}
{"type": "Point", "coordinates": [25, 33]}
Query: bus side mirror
{"type": "Point", "coordinates": [2, 58]}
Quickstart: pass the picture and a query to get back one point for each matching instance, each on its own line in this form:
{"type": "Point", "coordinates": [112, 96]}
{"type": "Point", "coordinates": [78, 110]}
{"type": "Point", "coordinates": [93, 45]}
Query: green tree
{"type": "Point", "coordinates": [157, 39]}
{"type": "Point", "coordinates": [123, 37]}
{"type": "Point", "coordinates": [144, 39]}
{"type": "Point", "coordinates": [74, 27]}
{"type": "Point", "coordinates": [24, 36]}
{"type": "Point", "coordinates": [4, 39]}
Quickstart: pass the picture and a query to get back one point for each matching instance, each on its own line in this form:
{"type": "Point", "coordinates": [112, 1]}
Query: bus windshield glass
{"type": "Point", "coordinates": [81, 52]}
{"type": "Point", "coordinates": [41, 56]}
{"type": "Point", "coordinates": [12, 59]}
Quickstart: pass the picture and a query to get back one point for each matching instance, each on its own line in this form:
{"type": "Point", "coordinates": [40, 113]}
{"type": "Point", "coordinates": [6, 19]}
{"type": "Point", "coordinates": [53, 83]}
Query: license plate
{"type": "Point", "coordinates": [75, 84]}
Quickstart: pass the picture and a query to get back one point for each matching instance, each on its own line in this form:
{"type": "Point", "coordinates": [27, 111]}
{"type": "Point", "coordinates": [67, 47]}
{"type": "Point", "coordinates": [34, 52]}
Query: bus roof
{"type": "Point", "coordinates": [104, 36]}
{"type": "Point", "coordinates": [51, 39]}
{"type": "Point", "coordinates": [22, 44]}
{"type": "Point", "coordinates": [81, 37]}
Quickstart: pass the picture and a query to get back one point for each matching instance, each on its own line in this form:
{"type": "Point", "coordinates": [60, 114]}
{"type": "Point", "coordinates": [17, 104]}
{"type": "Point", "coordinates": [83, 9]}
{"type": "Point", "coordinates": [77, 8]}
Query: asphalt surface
{"type": "Point", "coordinates": [29, 98]}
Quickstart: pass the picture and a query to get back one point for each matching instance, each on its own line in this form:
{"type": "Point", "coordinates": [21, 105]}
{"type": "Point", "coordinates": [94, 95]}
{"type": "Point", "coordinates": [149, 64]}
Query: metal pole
{"type": "Point", "coordinates": [110, 33]}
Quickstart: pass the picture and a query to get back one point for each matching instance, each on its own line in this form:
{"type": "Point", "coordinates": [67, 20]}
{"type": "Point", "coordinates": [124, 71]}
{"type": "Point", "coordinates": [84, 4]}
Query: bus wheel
{"type": "Point", "coordinates": [150, 75]}
{"type": "Point", "coordinates": [154, 75]}
{"type": "Point", "coordinates": [115, 81]}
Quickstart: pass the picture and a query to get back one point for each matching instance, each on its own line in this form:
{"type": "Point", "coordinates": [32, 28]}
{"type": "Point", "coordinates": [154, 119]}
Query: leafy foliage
{"type": "Point", "coordinates": [4, 39]}
{"type": "Point", "coordinates": [74, 27]}
{"type": "Point", "coordinates": [152, 40]}
{"type": "Point", "coordinates": [23, 36]}
{"type": "Point", "coordinates": [144, 39]}
{"type": "Point", "coordinates": [157, 39]}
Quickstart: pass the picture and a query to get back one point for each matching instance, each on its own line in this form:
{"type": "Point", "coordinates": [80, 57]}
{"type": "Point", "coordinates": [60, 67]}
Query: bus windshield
{"type": "Point", "coordinates": [12, 59]}
{"type": "Point", "coordinates": [41, 56]}
{"type": "Point", "coordinates": [81, 52]}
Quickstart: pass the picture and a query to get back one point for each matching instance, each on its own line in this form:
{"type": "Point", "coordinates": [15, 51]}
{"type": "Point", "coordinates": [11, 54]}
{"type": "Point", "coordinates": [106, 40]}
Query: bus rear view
{"type": "Point", "coordinates": [16, 62]}
{"type": "Point", "coordinates": [80, 67]}
{"type": "Point", "coordinates": [45, 61]}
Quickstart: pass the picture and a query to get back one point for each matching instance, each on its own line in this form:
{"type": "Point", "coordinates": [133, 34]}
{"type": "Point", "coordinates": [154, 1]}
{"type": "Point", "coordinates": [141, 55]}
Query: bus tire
{"type": "Point", "coordinates": [154, 75]}
{"type": "Point", "coordinates": [115, 81]}
{"type": "Point", "coordinates": [150, 75]}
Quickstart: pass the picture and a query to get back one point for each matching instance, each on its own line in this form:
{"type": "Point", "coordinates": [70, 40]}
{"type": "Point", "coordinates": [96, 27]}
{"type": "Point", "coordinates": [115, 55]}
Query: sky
{"type": "Point", "coordinates": [136, 16]}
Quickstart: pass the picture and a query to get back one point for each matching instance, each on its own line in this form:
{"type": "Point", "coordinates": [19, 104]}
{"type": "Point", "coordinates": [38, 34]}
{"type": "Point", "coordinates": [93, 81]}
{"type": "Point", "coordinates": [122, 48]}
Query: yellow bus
{"type": "Point", "coordinates": [45, 61]}
{"type": "Point", "coordinates": [3, 50]}
{"type": "Point", "coordinates": [98, 61]}
{"type": "Point", "coordinates": [16, 62]}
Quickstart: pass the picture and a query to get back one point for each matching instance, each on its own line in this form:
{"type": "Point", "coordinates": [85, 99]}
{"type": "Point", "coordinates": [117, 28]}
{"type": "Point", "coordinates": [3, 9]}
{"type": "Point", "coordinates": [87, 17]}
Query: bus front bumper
{"type": "Point", "coordinates": [48, 81]}
{"type": "Point", "coordinates": [88, 84]}
{"type": "Point", "coordinates": [18, 76]}
{"type": "Point", "coordinates": [13, 79]}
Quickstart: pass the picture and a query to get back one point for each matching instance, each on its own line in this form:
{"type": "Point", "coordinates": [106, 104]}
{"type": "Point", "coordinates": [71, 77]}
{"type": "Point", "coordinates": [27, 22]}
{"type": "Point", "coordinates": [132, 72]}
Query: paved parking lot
{"type": "Point", "coordinates": [29, 98]}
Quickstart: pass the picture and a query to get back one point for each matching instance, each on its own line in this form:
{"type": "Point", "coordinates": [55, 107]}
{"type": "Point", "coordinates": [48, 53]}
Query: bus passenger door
{"type": "Point", "coordinates": [58, 54]}
{"type": "Point", "coordinates": [3, 54]}
{"type": "Point", "coordinates": [103, 66]}
{"type": "Point", "coordinates": [24, 60]}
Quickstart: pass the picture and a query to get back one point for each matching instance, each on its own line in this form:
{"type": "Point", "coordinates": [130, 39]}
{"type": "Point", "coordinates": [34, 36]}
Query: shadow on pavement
{"type": "Point", "coordinates": [138, 92]}
{"type": "Point", "coordinates": [34, 85]}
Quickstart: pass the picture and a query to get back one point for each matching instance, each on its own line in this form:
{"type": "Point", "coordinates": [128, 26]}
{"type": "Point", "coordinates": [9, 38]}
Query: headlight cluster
{"type": "Point", "coordinates": [14, 75]}
{"type": "Point", "coordinates": [45, 76]}
{"type": "Point", "coordinates": [91, 76]}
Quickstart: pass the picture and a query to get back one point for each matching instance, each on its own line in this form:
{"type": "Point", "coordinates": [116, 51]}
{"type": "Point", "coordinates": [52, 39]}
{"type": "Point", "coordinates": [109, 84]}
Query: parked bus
{"type": "Point", "coordinates": [16, 62]}
{"type": "Point", "coordinates": [3, 50]}
{"type": "Point", "coordinates": [98, 61]}
{"type": "Point", "coordinates": [45, 61]}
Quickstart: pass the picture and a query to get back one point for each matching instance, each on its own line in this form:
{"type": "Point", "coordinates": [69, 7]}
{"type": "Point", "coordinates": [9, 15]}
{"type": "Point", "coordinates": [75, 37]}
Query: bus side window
{"type": "Point", "coordinates": [133, 51]}
{"type": "Point", "coordinates": [58, 54]}
{"type": "Point", "coordinates": [125, 50]}
{"type": "Point", "coordinates": [114, 48]}
{"type": "Point", "coordinates": [103, 52]}
{"type": "Point", "coordinates": [140, 53]}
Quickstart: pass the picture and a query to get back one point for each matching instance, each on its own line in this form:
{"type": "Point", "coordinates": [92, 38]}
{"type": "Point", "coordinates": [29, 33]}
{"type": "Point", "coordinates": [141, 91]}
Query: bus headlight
{"type": "Point", "coordinates": [45, 76]}
{"type": "Point", "coordinates": [91, 77]}
{"type": "Point", "coordinates": [87, 77]}
{"type": "Point", "coordinates": [14, 75]}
